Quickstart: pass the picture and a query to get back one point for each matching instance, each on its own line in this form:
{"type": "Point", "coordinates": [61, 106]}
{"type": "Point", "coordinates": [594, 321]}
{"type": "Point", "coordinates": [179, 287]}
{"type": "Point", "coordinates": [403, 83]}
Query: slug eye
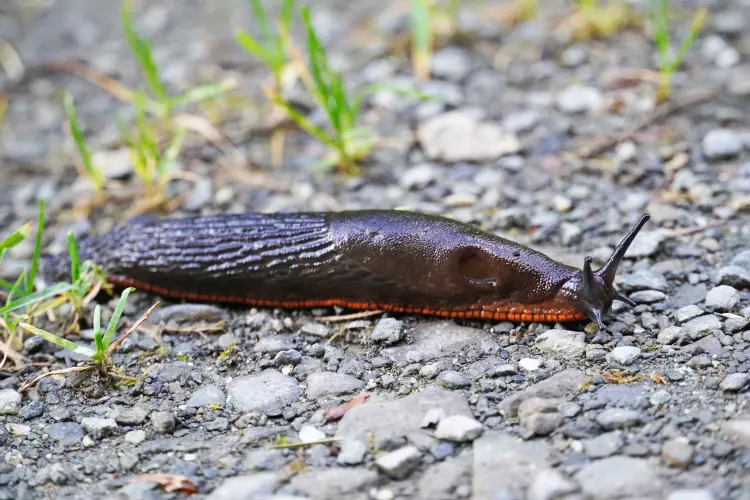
{"type": "Point", "coordinates": [475, 266]}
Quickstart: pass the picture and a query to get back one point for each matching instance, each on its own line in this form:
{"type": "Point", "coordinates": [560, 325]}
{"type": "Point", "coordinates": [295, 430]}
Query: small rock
{"type": "Point", "coordinates": [418, 176]}
{"type": "Point", "coordinates": [566, 344]}
{"type": "Point", "coordinates": [130, 416]}
{"type": "Point", "coordinates": [458, 428]}
{"type": "Point", "coordinates": [163, 422]}
{"type": "Point", "coordinates": [287, 357]}
{"type": "Point", "coordinates": [722, 298]}
{"type": "Point", "coordinates": [204, 396]}
{"type": "Point", "coordinates": [700, 361]}
{"type": "Point", "coordinates": [135, 437]}
{"type": "Point", "coordinates": [620, 477]}
{"type": "Point", "coordinates": [660, 398]}
{"type": "Point", "coordinates": [398, 464]}
{"type": "Point", "coordinates": [562, 204]}
{"type": "Point", "coordinates": [579, 99]}
{"type": "Point", "coordinates": [433, 417]}
{"type": "Point", "coordinates": [99, 428]}
{"type": "Point", "coordinates": [734, 382]}
{"type": "Point", "coordinates": [549, 484]}
{"type": "Point", "coordinates": [267, 389]}
{"type": "Point", "coordinates": [648, 297]}
{"type": "Point", "coordinates": [540, 423]}
{"type": "Point", "coordinates": [452, 379]}
{"type": "Point", "coordinates": [701, 326]}
{"type": "Point", "coordinates": [352, 452]}
{"type": "Point", "coordinates": [735, 276]}
{"type": "Point", "coordinates": [737, 431]}
{"type": "Point", "coordinates": [521, 121]}
{"type": "Point", "coordinates": [387, 331]}
{"type": "Point", "coordinates": [646, 244]}
{"type": "Point", "coordinates": [618, 418]}
{"type": "Point", "coordinates": [18, 429]}
{"type": "Point", "coordinates": [669, 335]}
{"type": "Point", "coordinates": [687, 313]}
{"type": "Point", "coordinates": [10, 402]}
{"type": "Point", "coordinates": [575, 55]}
{"type": "Point", "coordinates": [643, 279]}
{"type": "Point", "coordinates": [451, 63]}
{"type": "Point", "coordinates": [32, 410]}
{"type": "Point", "coordinates": [321, 384]}
{"type": "Point", "coordinates": [604, 445]}
{"type": "Point", "coordinates": [624, 355]}
{"type": "Point", "coordinates": [691, 494]}
{"type": "Point", "coordinates": [677, 452]}
{"type": "Point", "coordinates": [529, 364]}
{"type": "Point", "coordinates": [65, 433]}
{"type": "Point", "coordinates": [261, 485]}
{"type": "Point", "coordinates": [721, 143]}
{"type": "Point", "coordinates": [309, 433]}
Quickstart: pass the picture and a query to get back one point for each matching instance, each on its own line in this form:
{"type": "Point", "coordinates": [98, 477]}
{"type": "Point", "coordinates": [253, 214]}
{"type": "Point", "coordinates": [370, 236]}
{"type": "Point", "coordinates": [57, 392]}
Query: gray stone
{"type": "Point", "coordinates": [722, 298]}
{"type": "Point", "coordinates": [248, 487]}
{"type": "Point", "coordinates": [418, 176]}
{"type": "Point", "coordinates": [620, 477]}
{"type": "Point", "coordinates": [669, 335]}
{"type": "Point", "coordinates": [135, 437]}
{"type": "Point", "coordinates": [648, 297]}
{"type": "Point", "coordinates": [721, 143]}
{"type": "Point", "coordinates": [677, 452]}
{"type": "Point", "coordinates": [10, 402]}
{"type": "Point", "coordinates": [163, 422]}
{"type": "Point", "coordinates": [737, 431]}
{"type": "Point", "coordinates": [398, 464]}
{"type": "Point", "coordinates": [130, 416]}
{"type": "Point", "coordinates": [273, 344]}
{"type": "Point", "coordinates": [618, 418]}
{"type": "Point", "coordinates": [65, 433]}
{"type": "Point", "coordinates": [566, 344]}
{"type": "Point", "coordinates": [556, 386]}
{"type": "Point", "coordinates": [742, 259]}
{"type": "Point", "coordinates": [624, 355]}
{"type": "Point", "coordinates": [99, 428]}
{"type": "Point", "coordinates": [458, 428]}
{"type": "Point", "coordinates": [549, 484]}
{"type": "Point", "coordinates": [660, 398]}
{"type": "Point", "coordinates": [452, 379]}
{"type": "Point", "coordinates": [734, 381]}
{"type": "Point", "coordinates": [206, 395]}
{"type": "Point", "coordinates": [287, 357]}
{"type": "Point", "coordinates": [570, 234]}
{"type": "Point", "coordinates": [701, 326]}
{"type": "Point", "coordinates": [437, 339]}
{"type": "Point", "coordinates": [579, 99]}
{"type": "Point", "coordinates": [521, 121]}
{"type": "Point", "coordinates": [387, 331]}
{"type": "Point", "coordinates": [460, 135]}
{"type": "Point", "coordinates": [352, 452]}
{"type": "Point", "coordinates": [529, 364]}
{"type": "Point", "coordinates": [518, 460]}
{"type": "Point", "coordinates": [336, 482]}
{"type": "Point", "coordinates": [604, 445]}
{"type": "Point", "coordinates": [687, 313]}
{"type": "Point", "coordinates": [321, 384]}
{"type": "Point", "coordinates": [440, 480]}
{"type": "Point", "coordinates": [540, 416]}
{"type": "Point", "coordinates": [700, 361]}
{"type": "Point", "coordinates": [268, 389]}
{"type": "Point", "coordinates": [734, 325]}
{"type": "Point", "coordinates": [643, 279]}
{"type": "Point", "coordinates": [735, 276]}
{"type": "Point", "coordinates": [646, 243]}
{"type": "Point", "coordinates": [451, 63]}
{"type": "Point", "coordinates": [390, 419]}
{"type": "Point", "coordinates": [691, 494]}
{"type": "Point", "coordinates": [433, 417]}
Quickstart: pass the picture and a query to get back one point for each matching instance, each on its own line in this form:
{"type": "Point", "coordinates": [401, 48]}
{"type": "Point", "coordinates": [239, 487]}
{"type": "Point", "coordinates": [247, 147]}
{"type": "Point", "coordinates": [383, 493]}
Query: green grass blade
{"type": "Point", "coordinates": [37, 250]}
{"type": "Point", "coordinates": [287, 11]}
{"type": "Point", "coordinates": [98, 339]}
{"type": "Point", "coordinates": [48, 292]}
{"type": "Point", "coordinates": [15, 237]}
{"type": "Point", "coordinates": [116, 317]}
{"type": "Point", "coordinates": [64, 343]}
{"type": "Point", "coordinates": [262, 19]}
{"type": "Point", "coordinates": [75, 262]}
{"type": "Point", "coordinates": [171, 154]}
{"type": "Point", "coordinates": [421, 36]}
{"type": "Point", "coordinates": [7, 285]}
{"type": "Point", "coordinates": [254, 47]}
{"type": "Point", "coordinates": [317, 63]}
{"type": "Point", "coordinates": [94, 173]}
{"type": "Point", "coordinates": [14, 288]}
{"type": "Point", "coordinates": [695, 27]}
{"type": "Point", "coordinates": [141, 50]}
{"type": "Point", "coordinates": [306, 124]}
{"type": "Point", "coordinates": [200, 93]}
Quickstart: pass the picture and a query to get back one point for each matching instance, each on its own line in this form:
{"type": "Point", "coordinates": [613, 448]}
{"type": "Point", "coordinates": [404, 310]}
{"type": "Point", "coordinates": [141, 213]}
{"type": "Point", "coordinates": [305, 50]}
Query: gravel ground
{"type": "Point", "coordinates": [655, 406]}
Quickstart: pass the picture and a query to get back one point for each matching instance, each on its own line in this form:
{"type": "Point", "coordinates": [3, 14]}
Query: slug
{"type": "Point", "coordinates": [397, 261]}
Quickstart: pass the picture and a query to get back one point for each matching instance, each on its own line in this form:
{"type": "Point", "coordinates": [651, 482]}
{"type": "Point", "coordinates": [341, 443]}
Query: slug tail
{"type": "Point", "coordinates": [609, 269]}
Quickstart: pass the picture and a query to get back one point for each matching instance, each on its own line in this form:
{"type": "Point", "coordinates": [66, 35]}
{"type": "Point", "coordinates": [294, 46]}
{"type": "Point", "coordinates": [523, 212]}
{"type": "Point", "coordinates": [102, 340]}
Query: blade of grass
{"type": "Point", "coordinates": [133, 328]}
{"type": "Point", "coordinates": [59, 341]}
{"type": "Point", "coordinates": [142, 52]}
{"type": "Point", "coordinates": [116, 317]}
{"type": "Point", "coordinates": [14, 238]}
{"type": "Point", "coordinates": [201, 93]}
{"type": "Point", "coordinates": [37, 250]}
{"type": "Point", "coordinates": [261, 18]}
{"type": "Point", "coordinates": [695, 28]}
{"type": "Point", "coordinates": [98, 330]}
{"type": "Point", "coordinates": [421, 35]}
{"type": "Point", "coordinates": [75, 263]}
{"type": "Point", "coordinates": [48, 292]}
{"type": "Point", "coordinates": [96, 176]}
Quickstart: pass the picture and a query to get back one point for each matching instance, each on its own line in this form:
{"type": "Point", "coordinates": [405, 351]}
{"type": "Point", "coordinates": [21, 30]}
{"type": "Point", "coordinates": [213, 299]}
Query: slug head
{"type": "Point", "coordinates": [593, 291]}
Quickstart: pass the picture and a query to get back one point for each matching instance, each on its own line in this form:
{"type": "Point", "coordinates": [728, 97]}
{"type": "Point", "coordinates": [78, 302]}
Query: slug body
{"type": "Point", "coordinates": [397, 261]}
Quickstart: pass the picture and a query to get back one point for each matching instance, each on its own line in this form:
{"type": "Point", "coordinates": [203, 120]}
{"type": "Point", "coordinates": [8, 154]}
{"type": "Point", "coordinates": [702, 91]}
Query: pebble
{"type": "Point", "coordinates": [453, 379]}
{"type": "Point", "coordinates": [735, 276]}
{"type": "Point", "coordinates": [316, 329]}
{"type": "Point", "coordinates": [643, 279]}
{"type": "Point", "coordinates": [458, 428]}
{"type": "Point", "coordinates": [32, 410]}
{"type": "Point", "coordinates": [549, 484]}
{"type": "Point", "coordinates": [646, 244]}
{"type": "Point", "coordinates": [529, 364]}
{"type": "Point", "coordinates": [387, 331]}
{"type": "Point", "coordinates": [579, 99]}
{"type": "Point", "coordinates": [321, 384]}
{"type": "Point", "coordinates": [701, 326]}
{"type": "Point", "coordinates": [722, 298]}
{"type": "Point", "coordinates": [687, 313]}
{"type": "Point", "coordinates": [563, 343]}
{"type": "Point", "coordinates": [309, 433]}
{"type": "Point", "coordinates": [130, 416]}
{"type": "Point", "coordinates": [399, 464]}
{"type": "Point", "coordinates": [522, 121]}
{"type": "Point", "coordinates": [734, 382]}
{"type": "Point", "coordinates": [540, 416]}
{"type": "Point", "coordinates": [660, 398]}
{"type": "Point", "coordinates": [163, 422]}
{"type": "Point", "coordinates": [10, 402]}
{"type": "Point", "coordinates": [737, 431]}
{"type": "Point", "coordinates": [677, 452]}
{"type": "Point", "coordinates": [460, 135]}
{"type": "Point", "coordinates": [65, 433]}
{"type": "Point", "coordinates": [433, 417]}
{"type": "Point", "coordinates": [648, 296]}
{"type": "Point", "coordinates": [557, 386]}
{"type": "Point", "coordinates": [603, 445]}
{"type": "Point", "coordinates": [336, 482]}
{"type": "Point", "coordinates": [669, 335]}
{"type": "Point", "coordinates": [260, 485]}
{"type": "Point", "coordinates": [207, 395]}
{"type": "Point", "coordinates": [634, 478]}
{"type": "Point", "coordinates": [691, 494]}
{"type": "Point", "coordinates": [269, 389]}
{"type": "Point", "coordinates": [287, 357]}
{"type": "Point", "coordinates": [418, 176]}
{"type": "Point", "coordinates": [352, 452]}
{"type": "Point", "coordinates": [575, 55]}
{"type": "Point", "coordinates": [570, 234]}
{"type": "Point", "coordinates": [700, 361]}
{"type": "Point", "coordinates": [99, 428]}
{"type": "Point", "coordinates": [618, 418]}
{"type": "Point", "coordinates": [451, 63]}
{"type": "Point", "coordinates": [135, 437]}
{"type": "Point", "coordinates": [721, 143]}
{"type": "Point", "coordinates": [624, 355]}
